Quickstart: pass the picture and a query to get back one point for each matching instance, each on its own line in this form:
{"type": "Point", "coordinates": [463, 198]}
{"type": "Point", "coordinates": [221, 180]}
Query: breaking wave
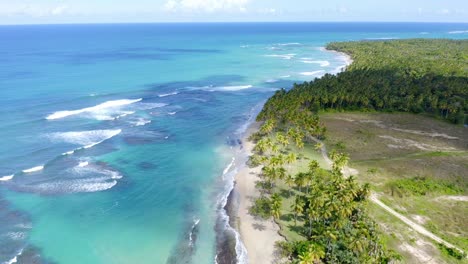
{"type": "Point", "coordinates": [100, 111]}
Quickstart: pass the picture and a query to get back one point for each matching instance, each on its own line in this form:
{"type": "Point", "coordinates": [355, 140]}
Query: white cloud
{"type": "Point", "coordinates": [445, 12]}
{"type": "Point", "coordinates": [33, 10]}
{"type": "Point", "coordinates": [206, 5]}
{"type": "Point", "coordinates": [58, 10]}
{"type": "Point", "coordinates": [270, 11]}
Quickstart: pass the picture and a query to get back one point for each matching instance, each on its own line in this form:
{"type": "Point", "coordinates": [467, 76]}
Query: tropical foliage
{"type": "Point", "coordinates": [328, 208]}
{"type": "Point", "coordinates": [417, 76]}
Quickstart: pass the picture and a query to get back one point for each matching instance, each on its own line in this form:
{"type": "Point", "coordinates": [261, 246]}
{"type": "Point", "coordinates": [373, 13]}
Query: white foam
{"type": "Point", "coordinates": [93, 109]}
{"type": "Point", "coordinates": [15, 259]}
{"type": "Point", "coordinates": [285, 76]}
{"type": "Point", "coordinates": [34, 169]}
{"type": "Point", "coordinates": [76, 186]}
{"type": "Point", "coordinates": [283, 56]}
{"type": "Point", "coordinates": [458, 32]}
{"type": "Point", "coordinates": [234, 87]}
{"type": "Point", "coordinates": [226, 170]}
{"type": "Point", "coordinates": [16, 235]}
{"type": "Point", "coordinates": [86, 139]}
{"type": "Point", "coordinates": [168, 94]}
{"type": "Point", "coordinates": [212, 88]}
{"type": "Point", "coordinates": [195, 223]}
{"type": "Point", "coordinates": [83, 164]}
{"type": "Point", "coordinates": [271, 81]}
{"type": "Point", "coordinates": [68, 152]}
{"type": "Point", "coordinates": [124, 114]}
{"type": "Point", "coordinates": [141, 122]}
{"type": "Point", "coordinates": [244, 46]}
{"type": "Point", "coordinates": [289, 44]}
{"type": "Point", "coordinates": [312, 73]}
{"type": "Point", "coordinates": [321, 62]}
{"type": "Point", "coordinates": [172, 113]}
{"type": "Point", "coordinates": [7, 178]}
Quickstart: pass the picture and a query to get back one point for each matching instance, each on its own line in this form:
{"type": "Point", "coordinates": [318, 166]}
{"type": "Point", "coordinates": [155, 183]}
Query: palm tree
{"type": "Point", "coordinates": [297, 207]}
{"type": "Point", "coordinates": [314, 253]}
{"type": "Point", "coordinates": [289, 180]}
{"type": "Point", "coordinates": [291, 157]}
{"type": "Point", "coordinates": [300, 180]}
{"type": "Point", "coordinates": [267, 127]}
{"type": "Point", "coordinates": [282, 139]}
{"type": "Point", "coordinates": [313, 166]}
{"type": "Point", "coordinates": [276, 202]}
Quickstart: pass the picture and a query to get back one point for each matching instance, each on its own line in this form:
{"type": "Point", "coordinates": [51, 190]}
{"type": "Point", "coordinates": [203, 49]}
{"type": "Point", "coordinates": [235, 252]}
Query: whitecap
{"type": "Point", "coordinates": [68, 152]}
{"type": "Point", "coordinates": [212, 88]}
{"type": "Point", "coordinates": [33, 169]}
{"type": "Point", "coordinates": [83, 164]}
{"type": "Point", "coordinates": [285, 76]}
{"type": "Point", "coordinates": [16, 235]}
{"type": "Point", "coordinates": [283, 56]}
{"type": "Point", "coordinates": [7, 178]}
{"type": "Point", "coordinates": [312, 73]}
{"type": "Point", "coordinates": [195, 223]}
{"type": "Point", "coordinates": [289, 44]}
{"type": "Point", "coordinates": [458, 32]}
{"type": "Point", "coordinates": [124, 114]}
{"type": "Point", "coordinates": [234, 87]}
{"type": "Point", "coordinates": [323, 63]}
{"type": "Point", "coordinates": [226, 170]}
{"type": "Point", "coordinates": [94, 110]}
{"type": "Point", "coordinates": [172, 113]}
{"type": "Point", "coordinates": [76, 186]}
{"type": "Point", "coordinates": [141, 122]}
{"type": "Point", "coordinates": [14, 259]}
{"type": "Point", "coordinates": [86, 139]}
{"type": "Point", "coordinates": [168, 94]}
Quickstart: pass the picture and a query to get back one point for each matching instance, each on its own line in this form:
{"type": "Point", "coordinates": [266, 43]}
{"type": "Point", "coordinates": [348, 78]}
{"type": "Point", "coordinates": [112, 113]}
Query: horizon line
{"type": "Point", "coordinates": [229, 22]}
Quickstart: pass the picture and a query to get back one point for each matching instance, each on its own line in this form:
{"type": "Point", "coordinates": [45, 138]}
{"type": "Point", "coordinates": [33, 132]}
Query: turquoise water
{"type": "Point", "coordinates": [116, 139]}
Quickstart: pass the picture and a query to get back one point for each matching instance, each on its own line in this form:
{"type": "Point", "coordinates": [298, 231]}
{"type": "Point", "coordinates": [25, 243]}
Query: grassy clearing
{"type": "Point", "coordinates": [395, 150]}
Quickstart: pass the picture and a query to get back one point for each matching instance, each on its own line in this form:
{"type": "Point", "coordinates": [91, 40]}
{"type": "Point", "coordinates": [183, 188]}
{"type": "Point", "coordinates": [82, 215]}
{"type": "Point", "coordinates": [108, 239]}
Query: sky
{"type": "Point", "coordinates": [136, 11]}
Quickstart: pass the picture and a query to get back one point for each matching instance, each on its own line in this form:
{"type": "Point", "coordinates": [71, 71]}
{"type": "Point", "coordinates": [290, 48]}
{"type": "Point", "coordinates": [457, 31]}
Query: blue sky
{"type": "Point", "coordinates": [108, 11]}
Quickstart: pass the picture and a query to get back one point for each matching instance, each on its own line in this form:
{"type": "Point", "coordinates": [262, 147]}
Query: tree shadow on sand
{"type": "Point", "coordinates": [258, 226]}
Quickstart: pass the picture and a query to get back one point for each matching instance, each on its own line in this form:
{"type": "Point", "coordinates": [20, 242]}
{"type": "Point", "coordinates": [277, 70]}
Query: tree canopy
{"type": "Point", "coordinates": [418, 76]}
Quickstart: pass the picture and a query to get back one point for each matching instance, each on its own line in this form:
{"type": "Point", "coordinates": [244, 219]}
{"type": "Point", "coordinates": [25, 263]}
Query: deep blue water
{"type": "Point", "coordinates": [115, 139]}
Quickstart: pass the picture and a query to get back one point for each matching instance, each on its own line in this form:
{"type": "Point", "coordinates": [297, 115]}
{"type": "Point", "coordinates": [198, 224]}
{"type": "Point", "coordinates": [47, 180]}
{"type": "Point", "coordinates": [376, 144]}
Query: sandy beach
{"type": "Point", "coordinates": [259, 236]}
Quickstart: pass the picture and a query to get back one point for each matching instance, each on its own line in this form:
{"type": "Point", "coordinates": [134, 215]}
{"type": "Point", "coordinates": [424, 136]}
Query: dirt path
{"type": "Point", "coordinates": [374, 198]}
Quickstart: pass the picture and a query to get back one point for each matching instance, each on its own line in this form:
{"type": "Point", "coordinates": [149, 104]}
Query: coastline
{"type": "Point", "coordinates": [257, 235]}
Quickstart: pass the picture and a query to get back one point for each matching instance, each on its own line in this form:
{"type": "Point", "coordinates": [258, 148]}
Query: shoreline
{"type": "Point", "coordinates": [257, 235]}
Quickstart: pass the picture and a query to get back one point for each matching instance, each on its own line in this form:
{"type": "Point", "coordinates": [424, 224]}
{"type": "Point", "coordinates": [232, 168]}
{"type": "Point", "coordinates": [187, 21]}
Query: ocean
{"type": "Point", "coordinates": [117, 140]}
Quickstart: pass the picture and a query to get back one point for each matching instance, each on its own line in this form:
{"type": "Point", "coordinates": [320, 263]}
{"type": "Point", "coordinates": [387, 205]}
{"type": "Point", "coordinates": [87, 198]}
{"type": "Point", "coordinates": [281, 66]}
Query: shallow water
{"type": "Point", "coordinates": [116, 139]}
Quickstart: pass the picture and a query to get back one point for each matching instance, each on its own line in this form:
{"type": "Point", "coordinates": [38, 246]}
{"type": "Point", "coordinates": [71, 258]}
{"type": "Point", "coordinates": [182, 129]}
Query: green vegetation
{"type": "Point", "coordinates": [324, 215]}
{"type": "Point", "coordinates": [382, 161]}
{"type": "Point", "coordinates": [401, 75]}
{"type": "Point", "coordinates": [327, 210]}
{"type": "Point", "coordinates": [422, 186]}
{"type": "Point", "coordinates": [452, 252]}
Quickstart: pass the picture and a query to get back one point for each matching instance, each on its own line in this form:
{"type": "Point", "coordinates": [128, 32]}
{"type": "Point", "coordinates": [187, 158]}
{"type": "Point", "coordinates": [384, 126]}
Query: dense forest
{"type": "Point", "coordinates": [418, 76]}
